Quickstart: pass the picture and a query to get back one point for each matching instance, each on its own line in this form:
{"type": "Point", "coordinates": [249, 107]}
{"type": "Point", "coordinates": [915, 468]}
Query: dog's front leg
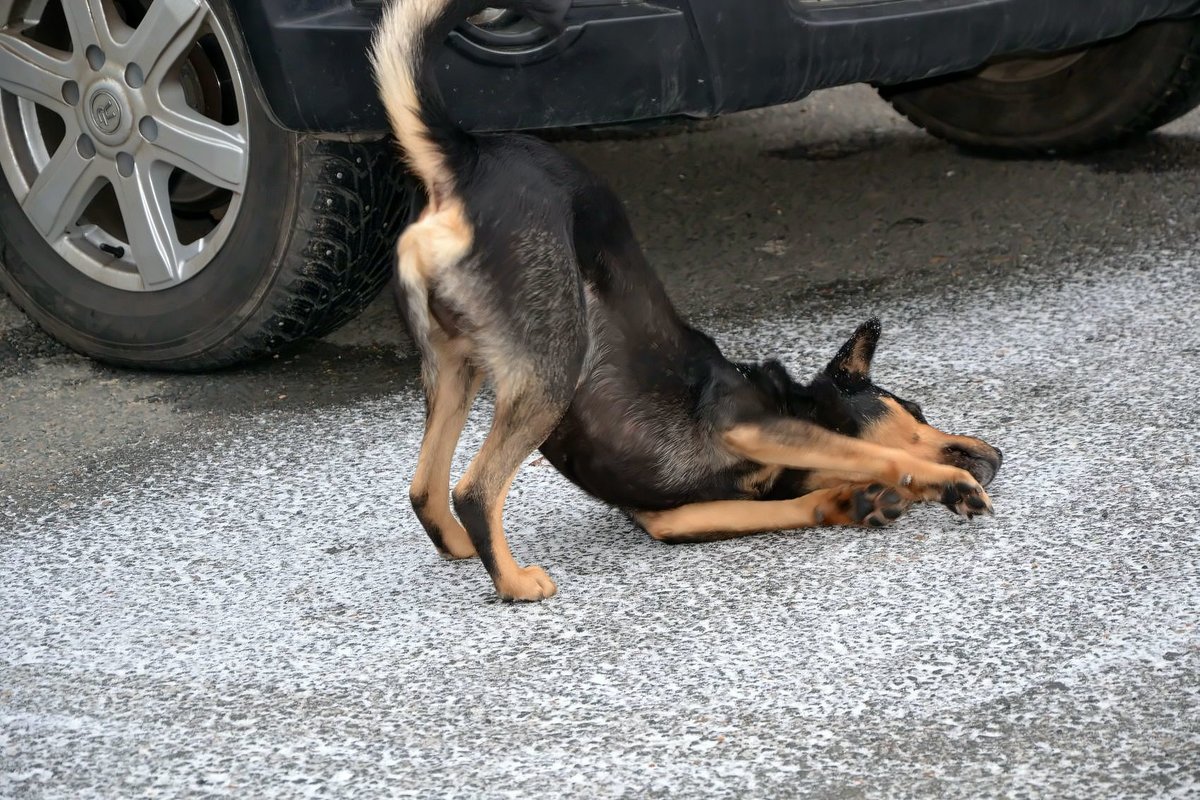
{"type": "Point", "coordinates": [874, 505]}
{"type": "Point", "coordinates": [803, 445]}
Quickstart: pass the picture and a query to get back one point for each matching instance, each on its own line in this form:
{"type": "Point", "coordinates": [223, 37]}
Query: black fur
{"type": "Point", "coordinates": [472, 511]}
{"type": "Point", "coordinates": [419, 502]}
{"type": "Point", "coordinates": [548, 292]}
{"type": "Point", "coordinates": [639, 430]}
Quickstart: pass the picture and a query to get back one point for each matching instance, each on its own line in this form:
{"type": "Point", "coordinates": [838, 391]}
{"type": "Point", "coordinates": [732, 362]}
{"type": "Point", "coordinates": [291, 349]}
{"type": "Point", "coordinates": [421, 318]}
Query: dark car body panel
{"type": "Point", "coordinates": [623, 60]}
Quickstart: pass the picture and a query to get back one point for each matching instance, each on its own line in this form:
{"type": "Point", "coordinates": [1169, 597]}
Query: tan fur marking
{"type": "Point", "coordinates": [396, 54]}
{"type": "Point", "coordinates": [436, 241]}
{"type": "Point", "coordinates": [803, 446]}
{"type": "Point", "coordinates": [858, 363]}
{"type": "Point", "coordinates": [449, 403]}
{"type": "Point", "coordinates": [814, 448]}
{"type": "Point", "coordinates": [728, 519]}
{"type": "Point", "coordinates": [731, 518]}
{"type": "Point", "coordinates": [900, 429]}
{"type": "Point", "coordinates": [760, 479]}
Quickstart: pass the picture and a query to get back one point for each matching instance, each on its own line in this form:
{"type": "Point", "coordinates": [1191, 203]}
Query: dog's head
{"type": "Point", "coordinates": [845, 399]}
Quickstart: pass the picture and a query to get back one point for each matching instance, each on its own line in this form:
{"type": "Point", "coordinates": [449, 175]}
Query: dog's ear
{"type": "Point", "coordinates": [854, 359]}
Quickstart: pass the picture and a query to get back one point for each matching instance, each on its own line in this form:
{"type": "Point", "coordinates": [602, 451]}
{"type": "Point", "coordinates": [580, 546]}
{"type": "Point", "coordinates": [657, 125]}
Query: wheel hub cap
{"type": "Point", "coordinates": [107, 114]}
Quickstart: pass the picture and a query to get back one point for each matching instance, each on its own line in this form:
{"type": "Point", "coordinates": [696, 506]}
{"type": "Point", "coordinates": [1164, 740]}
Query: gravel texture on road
{"type": "Point", "coordinates": [265, 617]}
{"type": "Point", "coordinates": [213, 585]}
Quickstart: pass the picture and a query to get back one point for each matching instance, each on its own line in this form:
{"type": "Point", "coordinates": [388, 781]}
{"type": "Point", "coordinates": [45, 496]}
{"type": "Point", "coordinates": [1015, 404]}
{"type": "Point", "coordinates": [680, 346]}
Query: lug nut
{"type": "Point", "coordinates": [134, 76]}
{"type": "Point", "coordinates": [148, 128]}
{"type": "Point", "coordinates": [95, 56]}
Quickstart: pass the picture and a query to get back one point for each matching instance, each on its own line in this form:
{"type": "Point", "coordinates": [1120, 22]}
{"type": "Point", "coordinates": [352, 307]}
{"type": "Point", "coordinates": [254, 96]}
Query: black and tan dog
{"type": "Point", "coordinates": [523, 269]}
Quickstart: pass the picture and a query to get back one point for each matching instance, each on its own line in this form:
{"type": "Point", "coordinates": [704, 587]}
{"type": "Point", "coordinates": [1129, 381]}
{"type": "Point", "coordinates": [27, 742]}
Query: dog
{"type": "Point", "coordinates": [523, 269]}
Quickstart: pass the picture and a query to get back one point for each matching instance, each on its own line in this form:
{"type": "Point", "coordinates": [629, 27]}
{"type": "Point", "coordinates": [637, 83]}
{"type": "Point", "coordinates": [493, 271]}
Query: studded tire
{"type": "Point", "coordinates": [1099, 97]}
{"type": "Point", "coordinates": [310, 246]}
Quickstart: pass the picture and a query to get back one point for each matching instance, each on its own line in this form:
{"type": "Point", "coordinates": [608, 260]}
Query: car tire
{"type": "Point", "coordinates": [1066, 103]}
{"type": "Point", "coordinates": [310, 244]}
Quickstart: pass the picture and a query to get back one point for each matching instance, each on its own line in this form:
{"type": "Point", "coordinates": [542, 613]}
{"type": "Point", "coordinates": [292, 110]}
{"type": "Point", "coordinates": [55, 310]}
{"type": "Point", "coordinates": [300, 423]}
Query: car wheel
{"type": "Point", "coordinates": [1067, 102]}
{"type": "Point", "coordinates": [151, 213]}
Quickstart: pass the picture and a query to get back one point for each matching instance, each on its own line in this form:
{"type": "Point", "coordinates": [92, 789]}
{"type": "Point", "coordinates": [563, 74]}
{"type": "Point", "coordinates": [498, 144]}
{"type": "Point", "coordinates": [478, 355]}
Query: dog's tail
{"type": "Point", "coordinates": [432, 141]}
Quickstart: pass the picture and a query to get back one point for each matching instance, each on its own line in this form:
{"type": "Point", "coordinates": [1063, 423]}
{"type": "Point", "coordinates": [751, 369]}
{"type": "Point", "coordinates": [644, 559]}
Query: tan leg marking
{"type": "Point", "coordinates": [856, 504]}
{"type": "Point", "coordinates": [802, 445]}
{"type": "Point", "coordinates": [522, 422]}
{"type": "Point", "coordinates": [436, 242]}
{"type": "Point", "coordinates": [456, 383]}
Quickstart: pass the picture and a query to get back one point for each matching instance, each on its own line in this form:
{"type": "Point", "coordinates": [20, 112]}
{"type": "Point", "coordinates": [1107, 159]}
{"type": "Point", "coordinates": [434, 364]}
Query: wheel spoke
{"type": "Point", "coordinates": [86, 23]}
{"type": "Point", "coordinates": [33, 73]}
{"type": "Point", "coordinates": [149, 225]}
{"type": "Point", "coordinates": [164, 34]}
{"type": "Point", "coordinates": [62, 190]}
{"type": "Point", "coordinates": [210, 151]}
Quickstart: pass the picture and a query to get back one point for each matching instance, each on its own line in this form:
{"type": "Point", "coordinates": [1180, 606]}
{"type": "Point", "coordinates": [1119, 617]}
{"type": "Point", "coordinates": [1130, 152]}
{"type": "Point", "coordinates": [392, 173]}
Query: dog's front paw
{"type": "Point", "coordinates": [527, 584]}
{"type": "Point", "coordinates": [966, 498]}
{"type": "Point", "coordinates": [954, 488]}
{"type": "Point", "coordinates": [877, 505]}
{"type": "Point", "coordinates": [873, 505]}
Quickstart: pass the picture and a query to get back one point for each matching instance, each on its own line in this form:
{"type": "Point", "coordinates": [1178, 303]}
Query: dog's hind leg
{"type": "Point", "coordinates": [452, 387]}
{"type": "Point", "coordinates": [873, 505]}
{"type": "Point", "coordinates": [429, 247]}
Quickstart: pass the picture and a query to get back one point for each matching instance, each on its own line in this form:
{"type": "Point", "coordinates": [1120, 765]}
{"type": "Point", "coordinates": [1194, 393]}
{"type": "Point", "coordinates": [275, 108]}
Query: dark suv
{"type": "Point", "coordinates": [190, 183]}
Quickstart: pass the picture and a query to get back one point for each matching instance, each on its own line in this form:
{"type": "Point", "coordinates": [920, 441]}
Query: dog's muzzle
{"type": "Point", "coordinates": [982, 461]}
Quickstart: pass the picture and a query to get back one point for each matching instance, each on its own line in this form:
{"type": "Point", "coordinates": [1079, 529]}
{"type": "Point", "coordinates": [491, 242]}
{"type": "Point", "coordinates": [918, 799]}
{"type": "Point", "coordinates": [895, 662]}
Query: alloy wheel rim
{"type": "Point", "coordinates": [126, 131]}
{"type": "Point", "coordinates": [1031, 68]}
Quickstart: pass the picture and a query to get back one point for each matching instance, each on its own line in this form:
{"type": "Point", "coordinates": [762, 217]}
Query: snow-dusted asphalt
{"type": "Point", "coordinates": [249, 609]}
{"type": "Point", "coordinates": [264, 616]}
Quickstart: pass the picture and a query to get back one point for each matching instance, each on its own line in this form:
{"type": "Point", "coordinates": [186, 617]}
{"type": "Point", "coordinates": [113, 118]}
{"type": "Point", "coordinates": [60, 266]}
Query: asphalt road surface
{"type": "Point", "coordinates": [213, 585]}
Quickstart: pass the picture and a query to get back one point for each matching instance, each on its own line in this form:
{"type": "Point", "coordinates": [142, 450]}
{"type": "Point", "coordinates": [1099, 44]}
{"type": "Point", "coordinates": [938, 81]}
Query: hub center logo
{"type": "Point", "coordinates": [106, 113]}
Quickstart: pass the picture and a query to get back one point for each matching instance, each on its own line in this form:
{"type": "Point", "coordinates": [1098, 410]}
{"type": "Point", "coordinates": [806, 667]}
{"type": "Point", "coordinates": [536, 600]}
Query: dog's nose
{"type": "Point", "coordinates": [981, 460]}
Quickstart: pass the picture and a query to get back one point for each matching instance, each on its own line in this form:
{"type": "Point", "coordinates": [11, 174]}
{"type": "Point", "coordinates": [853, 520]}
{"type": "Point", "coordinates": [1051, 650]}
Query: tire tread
{"type": "Point", "coordinates": [357, 198]}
